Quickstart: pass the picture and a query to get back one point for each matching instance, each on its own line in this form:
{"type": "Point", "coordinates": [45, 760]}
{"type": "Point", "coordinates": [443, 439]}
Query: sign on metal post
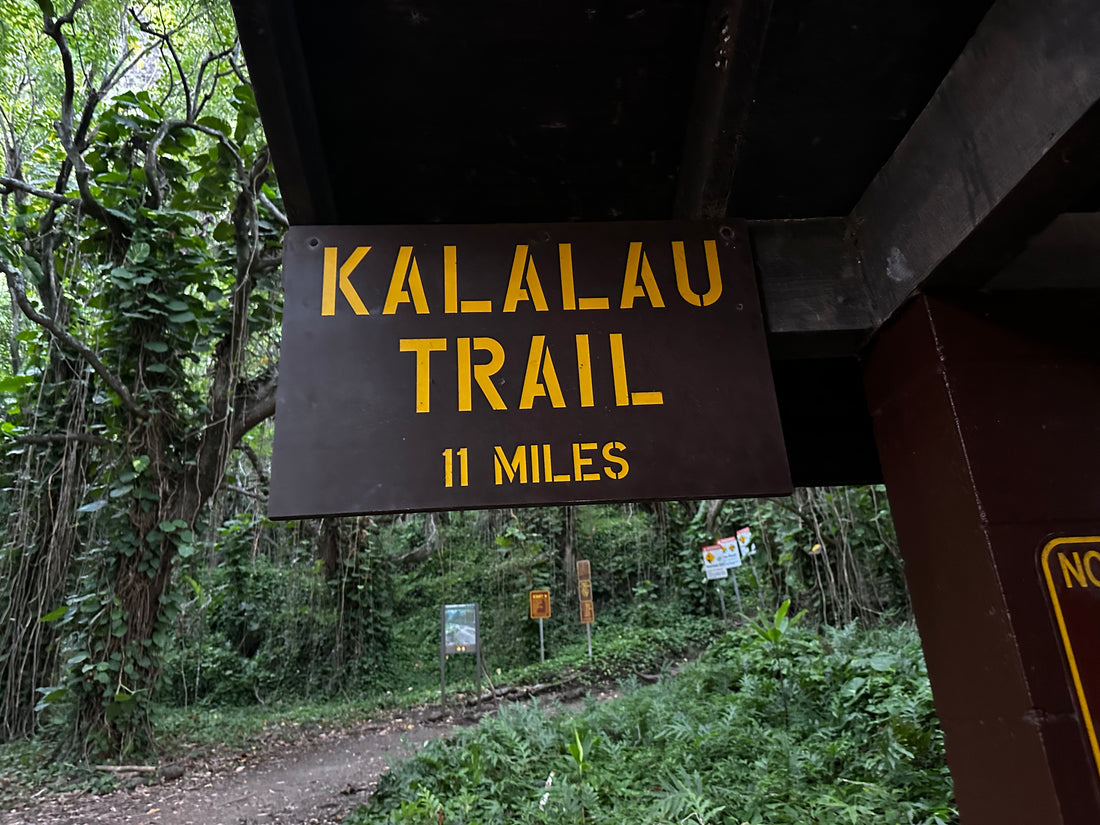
{"type": "Point", "coordinates": [1071, 567]}
{"type": "Point", "coordinates": [539, 608]}
{"type": "Point", "coordinates": [732, 560]}
{"type": "Point", "coordinates": [584, 593]}
{"type": "Point", "coordinates": [732, 555]}
{"type": "Point", "coordinates": [447, 367]}
{"type": "Point", "coordinates": [459, 632]}
{"type": "Point", "coordinates": [714, 564]}
{"type": "Point", "coordinates": [539, 604]}
{"type": "Point", "coordinates": [745, 542]}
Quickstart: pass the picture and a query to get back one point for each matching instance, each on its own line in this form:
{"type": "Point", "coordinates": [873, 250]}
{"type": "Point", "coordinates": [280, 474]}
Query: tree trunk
{"type": "Point", "coordinates": [568, 547]}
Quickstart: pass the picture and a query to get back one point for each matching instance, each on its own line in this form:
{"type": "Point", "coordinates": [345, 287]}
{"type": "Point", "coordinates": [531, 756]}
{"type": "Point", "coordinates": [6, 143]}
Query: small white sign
{"type": "Point", "coordinates": [733, 552]}
{"type": "Point", "coordinates": [714, 564]}
{"type": "Point", "coordinates": [744, 540]}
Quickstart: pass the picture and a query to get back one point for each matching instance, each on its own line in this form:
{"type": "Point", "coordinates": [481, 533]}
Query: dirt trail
{"type": "Point", "coordinates": [314, 776]}
{"type": "Point", "coordinates": [319, 779]}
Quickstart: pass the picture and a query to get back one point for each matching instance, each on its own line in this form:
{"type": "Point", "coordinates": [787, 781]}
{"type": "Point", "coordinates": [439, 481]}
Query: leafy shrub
{"type": "Point", "coordinates": [838, 728]}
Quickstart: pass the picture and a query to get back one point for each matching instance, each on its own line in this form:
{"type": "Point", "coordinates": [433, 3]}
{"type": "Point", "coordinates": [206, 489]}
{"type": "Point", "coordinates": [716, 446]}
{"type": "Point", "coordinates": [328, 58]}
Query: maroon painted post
{"type": "Point", "coordinates": [988, 426]}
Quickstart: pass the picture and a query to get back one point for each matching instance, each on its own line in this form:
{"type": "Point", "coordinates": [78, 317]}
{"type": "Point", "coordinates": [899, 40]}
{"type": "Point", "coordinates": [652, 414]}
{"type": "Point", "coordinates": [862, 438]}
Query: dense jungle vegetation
{"type": "Point", "coordinates": [140, 583]}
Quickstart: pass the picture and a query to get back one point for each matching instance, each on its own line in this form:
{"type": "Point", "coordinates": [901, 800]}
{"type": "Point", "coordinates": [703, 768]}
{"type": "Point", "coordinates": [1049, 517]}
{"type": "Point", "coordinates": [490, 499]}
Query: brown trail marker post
{"type": "Point", "coordinates": [538, 602]}
{"type": "Point", "coordinates": [964, 400]}
{"type": "Point", "coordinates": [584, 592]}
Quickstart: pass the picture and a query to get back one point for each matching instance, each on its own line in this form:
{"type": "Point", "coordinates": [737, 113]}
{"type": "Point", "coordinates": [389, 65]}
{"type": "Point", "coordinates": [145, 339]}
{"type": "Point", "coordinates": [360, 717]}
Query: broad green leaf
{"type": "Point", "coordinates": [211, 122]}
{"type": "Point", "coordinates": [11, 383]}
{"type": "Point", "coordinates": [55, 614]}
{"type": "Point", "coordinates": [882, 661]}
{"type": "Point", "coordinates": [138, 252]}
{"type": "Point", "coordinates": [49, 696]}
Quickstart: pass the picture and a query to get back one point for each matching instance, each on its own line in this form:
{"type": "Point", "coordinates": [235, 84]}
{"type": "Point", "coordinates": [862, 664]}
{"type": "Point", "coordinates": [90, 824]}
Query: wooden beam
{"type": "Point", "coordinates": [280, 78]}
{"type": "Point", "coordinates": [1008, 141]}
{"type": "Point", "coordinates": [729, 58]}
{"type": "Point", "coordinates": [815, 299]}
{"type": "Point", "coordinates": [1065, 255]}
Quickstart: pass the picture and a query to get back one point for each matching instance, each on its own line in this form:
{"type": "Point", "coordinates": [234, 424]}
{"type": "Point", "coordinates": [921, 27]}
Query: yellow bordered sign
{"type": "Point", "coordinates": [1071, 566]}
{"type": "Point", "coordinates": [539, 604]}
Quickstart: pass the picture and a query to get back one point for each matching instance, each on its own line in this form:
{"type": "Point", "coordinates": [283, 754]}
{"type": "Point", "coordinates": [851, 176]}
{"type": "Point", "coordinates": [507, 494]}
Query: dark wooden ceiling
{"type": "Point", "coordinates": [431, 111]}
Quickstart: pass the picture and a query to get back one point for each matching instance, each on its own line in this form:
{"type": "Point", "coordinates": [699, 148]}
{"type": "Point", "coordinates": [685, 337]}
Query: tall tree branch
{"type": "Point", "coordinates": [254, 460]}
{"type": "Point", "coordinates": [254, 405]}
{"type": "Point", "coordinates": [53, 28]}
{"type": "Point", "coordinates": [62, 438]}
{"type": "Point", "coordinates": [19, 291]}
{"type": "Point", "coordinates": [279, 215]}
{"type": "Point", "coordinates": [9, 185]}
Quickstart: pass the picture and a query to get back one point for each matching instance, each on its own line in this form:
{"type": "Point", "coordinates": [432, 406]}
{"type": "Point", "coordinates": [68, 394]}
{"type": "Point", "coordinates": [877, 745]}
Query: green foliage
{"type": "Point", "coordinates": [257, 630]}
{"type": "Point", "coordinates": [859, 742]}
{"type": "Point", "coordinates": [773, 632]}
{"type": "Point", "coordinates": [139, 236]}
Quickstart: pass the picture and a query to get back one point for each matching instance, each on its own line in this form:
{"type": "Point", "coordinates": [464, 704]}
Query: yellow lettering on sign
{"type": "Point", "coordinates": [1083, 619]}
{"type": "Point", "coordinates": [714, 273]}
{"type": "Point", "coordinates": [549, 466]}
{"type": "Point", "coordinates": [523, 271]}
{"type": "Point", "coordinates": [1090, 557]}
{"type": "Point", "coordinates": [423, 347]}
{"type": "Point", "coordinates": [526, 465]}
{"type": "Point", "coordinates": [568, 292]}
{"type": "Point", "coordinates": [482, 373]}
{"type": "Point", "coordinates": [1078, 570]}
{"type": "Point", "coordinates": [535, 464]}
{"type": "Point", "coordinates": [514, 468]}
{"type": "Point", "coordinates": [580, 462]}
{"type": "Point", "coordinates": [584, 371]}
{"type": "Point", "coordinates": [451, 303]}
{"type": "Point", "coordinates": [609, 455]}
{"type": "Point", "coordinates": [637, 266]}
{"type": "Point", "coordinates": [623, 396]}
{"type": "Point", "coordinates": [405, 270]}
{"type": "Point", "coordinates": [328, 284]}
{"type": "Point", "coordinates": [539, 361]}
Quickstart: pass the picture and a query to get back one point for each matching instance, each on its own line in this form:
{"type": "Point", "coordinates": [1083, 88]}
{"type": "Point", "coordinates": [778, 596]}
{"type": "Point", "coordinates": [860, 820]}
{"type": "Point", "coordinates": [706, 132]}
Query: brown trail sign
{"type": "Point", "coordinates": [486, 366]}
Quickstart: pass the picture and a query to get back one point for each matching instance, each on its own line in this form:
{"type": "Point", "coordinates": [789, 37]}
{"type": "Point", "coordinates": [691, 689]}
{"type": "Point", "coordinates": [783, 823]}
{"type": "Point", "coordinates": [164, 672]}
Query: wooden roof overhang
{"type": "Point", "coordinates": [877, 149]}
